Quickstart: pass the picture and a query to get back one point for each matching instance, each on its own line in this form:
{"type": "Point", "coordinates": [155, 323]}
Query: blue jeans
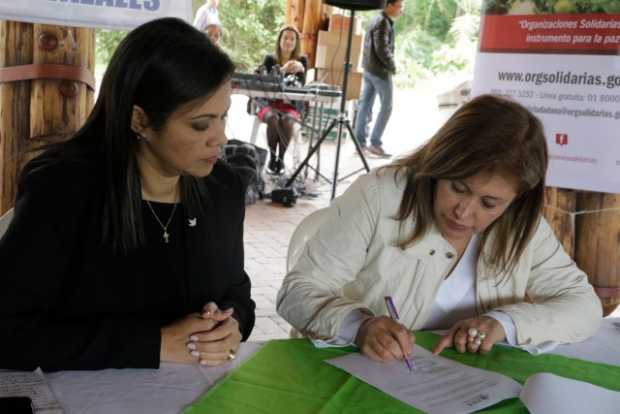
{"type": "Point", "coordinates": [373, 85]}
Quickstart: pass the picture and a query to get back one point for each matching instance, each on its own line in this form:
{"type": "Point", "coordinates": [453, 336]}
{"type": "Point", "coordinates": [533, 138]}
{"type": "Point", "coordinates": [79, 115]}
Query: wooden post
{"type": "Point", "coordinates": [559, 203]}
{"type": "Point", "coordinates": [598, 246]}
{"type": "Point", "coordinates": [40, 110]}
{"type": "Point", "coordinates": [60, 107]}
{"type": "Point", "coordinates": [15, 49]}
{"type": "Point", "coordinates": [591, 237]}
{"type": "Point", "coordinates": [295, 13]}
{"type": "Point", "coordinates": [310, 29]}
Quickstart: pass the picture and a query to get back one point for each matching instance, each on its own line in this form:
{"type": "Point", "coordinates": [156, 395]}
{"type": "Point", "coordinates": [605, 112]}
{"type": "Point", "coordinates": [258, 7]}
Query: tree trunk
{"type": "Point", "coordinates": [598, 246]}
{"type": "Point", "coordinates": [39, 111]}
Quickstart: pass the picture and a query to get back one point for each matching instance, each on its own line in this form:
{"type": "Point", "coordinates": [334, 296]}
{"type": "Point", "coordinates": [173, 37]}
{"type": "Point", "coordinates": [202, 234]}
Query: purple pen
{"type": "Point", "coordinates": [389, 304]}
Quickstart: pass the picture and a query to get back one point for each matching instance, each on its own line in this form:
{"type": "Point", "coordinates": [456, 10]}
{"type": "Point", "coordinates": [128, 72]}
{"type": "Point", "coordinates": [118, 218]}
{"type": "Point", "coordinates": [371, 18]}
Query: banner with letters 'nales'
{"type": "Point", "coordinates": [112, 14]}
{"type": "Point", "coordinates": [561, 59]}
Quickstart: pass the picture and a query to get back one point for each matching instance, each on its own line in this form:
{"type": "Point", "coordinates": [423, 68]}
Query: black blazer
{"type": "Point", "coordinates": [68, 302]}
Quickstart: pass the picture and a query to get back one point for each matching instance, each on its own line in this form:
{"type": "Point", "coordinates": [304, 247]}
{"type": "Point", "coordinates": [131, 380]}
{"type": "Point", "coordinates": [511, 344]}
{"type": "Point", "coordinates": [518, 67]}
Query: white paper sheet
{"type": "Point", "coordinates": [437, 385]}
{"type": "Point", "coordinates": [603, 347]}
{"type": "Point", "coordinates": [30, 384]}
{"type": "Point", "coordinates": [550, 394]}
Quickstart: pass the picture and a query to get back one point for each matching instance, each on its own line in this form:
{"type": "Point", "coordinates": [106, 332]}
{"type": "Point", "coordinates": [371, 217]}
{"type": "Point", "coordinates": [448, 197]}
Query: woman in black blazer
{"type": "Point", "coordinates": [126, 248]}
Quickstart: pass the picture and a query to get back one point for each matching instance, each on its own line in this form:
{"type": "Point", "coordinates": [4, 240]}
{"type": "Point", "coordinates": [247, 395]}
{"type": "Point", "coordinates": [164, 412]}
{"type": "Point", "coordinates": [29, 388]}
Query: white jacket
{"type": "Point", "coordinates": [352, 263]}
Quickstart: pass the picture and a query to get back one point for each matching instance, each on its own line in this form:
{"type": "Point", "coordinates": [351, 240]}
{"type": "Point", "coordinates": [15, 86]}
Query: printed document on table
{"type": "Point", "coordinates": [437, 385]}
{"type": "Point", "coordinates": [30, 384]}
{"type": "Point", "coordinates": [546, 393]}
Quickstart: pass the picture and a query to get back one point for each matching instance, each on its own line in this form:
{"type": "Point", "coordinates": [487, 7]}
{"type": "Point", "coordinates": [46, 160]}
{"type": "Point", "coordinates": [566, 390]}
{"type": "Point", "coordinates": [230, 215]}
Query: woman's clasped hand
{"type": "Point", "coordinates": [210, 338]}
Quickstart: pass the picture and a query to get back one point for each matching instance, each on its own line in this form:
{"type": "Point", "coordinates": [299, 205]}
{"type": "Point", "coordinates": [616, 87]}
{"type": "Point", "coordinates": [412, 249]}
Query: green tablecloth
{"type": "Point", "coordinates": [289, 376]}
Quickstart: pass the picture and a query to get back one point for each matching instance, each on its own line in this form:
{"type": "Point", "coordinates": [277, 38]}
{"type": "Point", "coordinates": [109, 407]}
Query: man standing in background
{"type": "Point", "coordinates": [379, 67]}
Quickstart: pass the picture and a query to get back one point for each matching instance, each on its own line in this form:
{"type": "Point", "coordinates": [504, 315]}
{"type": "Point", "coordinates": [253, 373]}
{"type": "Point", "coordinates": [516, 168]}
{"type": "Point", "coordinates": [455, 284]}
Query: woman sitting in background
{"type": "Point", "coordinates": [454, 234]}
{"type": "Point", "coordinates": [280, 115]}
{"type": "Point", "coordinates": [126, 247]}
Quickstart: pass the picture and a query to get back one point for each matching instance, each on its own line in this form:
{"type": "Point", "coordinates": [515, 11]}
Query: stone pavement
{"type": "Point", "coordinates": [268, 228]}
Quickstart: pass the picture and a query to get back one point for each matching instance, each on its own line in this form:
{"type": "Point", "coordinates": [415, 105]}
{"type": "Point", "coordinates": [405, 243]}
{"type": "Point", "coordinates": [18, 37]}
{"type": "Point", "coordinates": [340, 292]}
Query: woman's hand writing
{"type": "Point", "coordinates": [383, 339]}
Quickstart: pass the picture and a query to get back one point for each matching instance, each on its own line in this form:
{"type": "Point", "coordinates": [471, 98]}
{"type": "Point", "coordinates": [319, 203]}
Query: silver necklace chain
{"type": "Point", "coordinates": [166, 235]}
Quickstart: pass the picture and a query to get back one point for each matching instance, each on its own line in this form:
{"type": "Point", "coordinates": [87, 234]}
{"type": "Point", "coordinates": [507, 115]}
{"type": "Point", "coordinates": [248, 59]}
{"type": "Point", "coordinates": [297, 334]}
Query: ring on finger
{"type": "Point", "coordinates": [232, 354]}
{"type": "Point", "coordinates": [472, 332]}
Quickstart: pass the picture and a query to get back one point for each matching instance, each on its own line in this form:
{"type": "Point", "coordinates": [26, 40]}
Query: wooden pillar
{"type": "Point", "coordinates": [60, 107]}
{"type": "Point", "coordinates": [591, 237]}
{"type": "Point", "coordinates": [559, 206]}
{"type": "Point", "coordinates": [15, 49]}
{"type": "Point", "coordinates": [39, 110]}
{"type": "Point", "coordinates": [310, 29]}
{"type": "Point", "coordinates": [295, 13]}
{"type": "Point", "coordinates": [598, 246]}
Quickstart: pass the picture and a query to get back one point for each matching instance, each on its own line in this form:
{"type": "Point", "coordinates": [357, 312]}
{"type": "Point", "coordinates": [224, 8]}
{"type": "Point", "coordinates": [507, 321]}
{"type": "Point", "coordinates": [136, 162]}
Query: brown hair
{"type": "Point", "coordinates": [489, 134]}
{"type": "Point", "coordinates": [296, 52]}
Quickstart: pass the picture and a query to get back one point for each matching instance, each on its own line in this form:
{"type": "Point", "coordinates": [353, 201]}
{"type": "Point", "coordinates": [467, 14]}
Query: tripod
{"type": "Point", "coordinates": [341, 121]}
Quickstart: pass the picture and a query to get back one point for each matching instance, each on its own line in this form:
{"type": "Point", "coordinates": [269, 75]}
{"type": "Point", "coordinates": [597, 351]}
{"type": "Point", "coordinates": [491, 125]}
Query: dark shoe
{"type": "Point", "coordinates": [272, 166]}
{"type": "Point", "coordinates": [280, 167]}
{"type": "Point", "coordinates": [379, 152]}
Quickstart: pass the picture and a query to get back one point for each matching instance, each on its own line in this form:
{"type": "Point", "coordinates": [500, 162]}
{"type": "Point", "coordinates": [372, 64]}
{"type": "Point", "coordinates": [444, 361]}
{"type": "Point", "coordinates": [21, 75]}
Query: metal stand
{"type": "Point", "coordinates": [341, 121]}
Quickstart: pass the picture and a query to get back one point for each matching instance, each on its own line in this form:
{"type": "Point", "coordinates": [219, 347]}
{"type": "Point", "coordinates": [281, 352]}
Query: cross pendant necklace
{"type": "Point", "coordinates": [163, 226]}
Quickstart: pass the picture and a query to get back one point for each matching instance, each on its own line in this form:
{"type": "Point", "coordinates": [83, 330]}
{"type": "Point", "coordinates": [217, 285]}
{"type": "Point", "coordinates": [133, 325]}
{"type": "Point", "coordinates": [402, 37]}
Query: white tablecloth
{"type": "Point", "coordinates": [174, 386]}
{"type": "Point", "coordinates": [165, 390]}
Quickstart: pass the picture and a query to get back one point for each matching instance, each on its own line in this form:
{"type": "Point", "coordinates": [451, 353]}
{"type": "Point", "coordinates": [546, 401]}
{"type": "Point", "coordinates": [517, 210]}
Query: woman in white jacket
{"type": "Point", "coordinates": [454, 233]}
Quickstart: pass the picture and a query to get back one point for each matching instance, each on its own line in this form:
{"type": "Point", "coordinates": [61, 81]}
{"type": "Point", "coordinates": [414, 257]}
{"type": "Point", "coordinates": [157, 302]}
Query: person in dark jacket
{"type": "Point", "coordinates": [282, 115]}
{"type": "Point", "coordinates": [379, 66]}
{"type": "Point", "coordinates": [126, 246]}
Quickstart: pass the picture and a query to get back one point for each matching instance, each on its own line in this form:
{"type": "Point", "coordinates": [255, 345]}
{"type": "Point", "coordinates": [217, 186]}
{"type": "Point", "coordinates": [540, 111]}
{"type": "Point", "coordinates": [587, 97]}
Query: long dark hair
{"type": "Point", "coordinates": [488, 134]}
{"type": "Point", "coordinates": [159, 66]}
{"type": "Point", "coordinates": [296, 53]}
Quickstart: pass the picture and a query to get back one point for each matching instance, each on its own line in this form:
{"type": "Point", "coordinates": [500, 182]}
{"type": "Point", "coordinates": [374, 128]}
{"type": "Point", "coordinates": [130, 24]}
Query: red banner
{"type": "Point", "coordinates": [596, 33]}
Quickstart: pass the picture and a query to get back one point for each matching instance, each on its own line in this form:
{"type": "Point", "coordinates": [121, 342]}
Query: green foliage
{"type": "Point", "coordinates": [107, 41]}
{"type": "Point", "coordinates": [435, 36]}
{"type": "Point", "coordinates": [250, 28]}
{"type": "Point", "coordinates": [432, 36]}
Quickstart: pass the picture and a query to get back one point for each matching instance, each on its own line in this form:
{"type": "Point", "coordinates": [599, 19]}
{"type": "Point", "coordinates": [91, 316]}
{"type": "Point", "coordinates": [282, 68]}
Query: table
{"type": "Point", "coordinates": [166, 390]}
{"type": "Point", "coordinates": [174, 387]}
